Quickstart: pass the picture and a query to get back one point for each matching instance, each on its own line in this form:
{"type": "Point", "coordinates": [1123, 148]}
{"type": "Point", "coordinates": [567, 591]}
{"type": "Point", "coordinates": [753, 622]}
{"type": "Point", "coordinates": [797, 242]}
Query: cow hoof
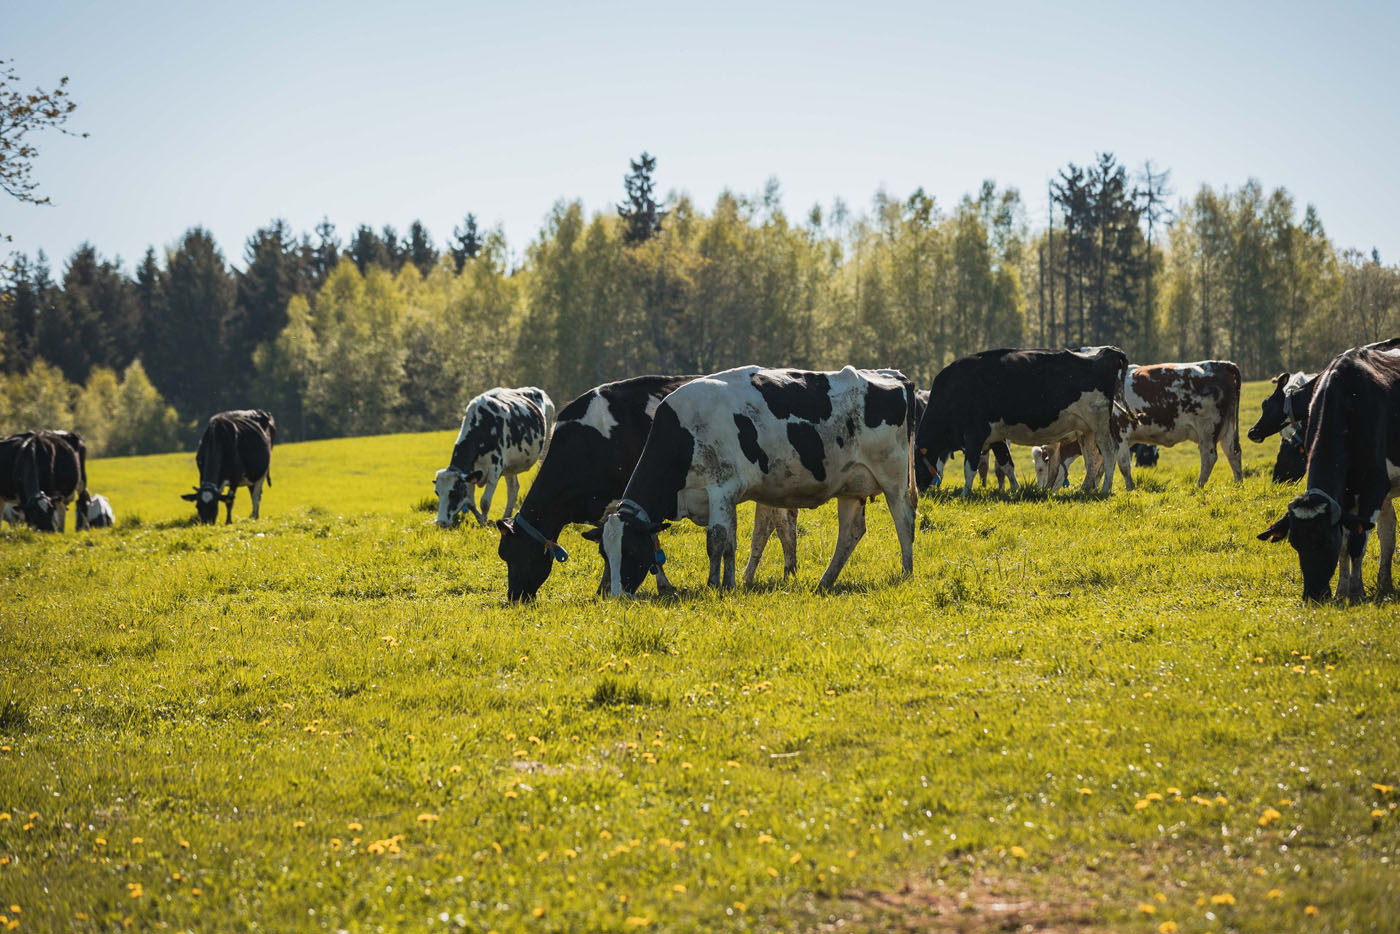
{"type": "Point", "coordinates": [666, 590]}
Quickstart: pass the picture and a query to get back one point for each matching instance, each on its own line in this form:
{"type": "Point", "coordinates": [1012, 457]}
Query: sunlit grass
{"type": "Point", "coordinates": [1077, 710]}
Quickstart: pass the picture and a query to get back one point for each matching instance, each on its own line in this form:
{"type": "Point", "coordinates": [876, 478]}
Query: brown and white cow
{"type": "Point", "coordinates": [1174, 402]}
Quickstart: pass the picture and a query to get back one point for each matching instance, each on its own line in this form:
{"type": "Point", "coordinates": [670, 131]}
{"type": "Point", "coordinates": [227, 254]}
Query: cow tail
{"type": "Point", "coordinates": [1232, 413]}
{"type": "Point", "coordinates": [1120, 395]}
{"type": "Point", "coordinates": [910, 408]}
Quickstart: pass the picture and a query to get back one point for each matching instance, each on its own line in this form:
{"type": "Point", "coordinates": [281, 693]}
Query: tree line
{"type": "Point", "coordinates": [386, 332]}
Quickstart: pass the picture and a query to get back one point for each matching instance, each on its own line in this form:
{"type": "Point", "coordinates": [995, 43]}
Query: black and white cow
{"type": "Point", "coordinates": [504, 433]}
{"type": "Point", "coordinates": [790, 439]}
{"type": "Point", "coordinates": [1353, 443]}
{"type": "Point", "coordinates": [1285, 411]}
{"type": "Point", "coordinates": [1024, 396]}
{"type": "Point", "coordinates": [1006, 467]}
{"type": "Point", "coordinates": [99, 513]}
{"type": "Point", "coordinates": [1145, 455]}
{"type": "Point", "coordinates": [235, 450]}
{"type": "Point", "coordinates": [596, 445]}
{"type": "Point", "coordinates": [59, 461]}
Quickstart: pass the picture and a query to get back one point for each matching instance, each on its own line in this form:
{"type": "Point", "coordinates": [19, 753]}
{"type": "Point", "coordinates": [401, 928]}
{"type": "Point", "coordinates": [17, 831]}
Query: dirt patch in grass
{"type": "Point", "coordinates": [980, 903]}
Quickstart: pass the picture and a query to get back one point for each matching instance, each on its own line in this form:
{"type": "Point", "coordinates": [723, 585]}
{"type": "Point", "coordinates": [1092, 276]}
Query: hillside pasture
{"type": "Point", "coordinates": [1080, 713]}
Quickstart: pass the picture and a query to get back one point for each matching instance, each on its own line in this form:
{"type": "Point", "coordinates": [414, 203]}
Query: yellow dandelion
{"type": "Point", "coordinates": [678, 887]}
{"type": "Point", "coordinates": [1147, 909]}
{"type": "Point", "coordinates": [772, 872]}
{"type": "Point", "coordinates": [299, 824]}
{"type": "Point", "coordinates": [740, 906]}
{"type": "Point", "coordinates": [1310, 910]}
{"type": "Point", "coordinates": [1153, 796]}
{"type": "Point", "coordinates": [455, 769]}
{"type": "Point", "coordinates": [1174, 792]}
{"type": "Point", "coordinates": [335, 843]}
{"type": "Point", "coordinates": [135, 890]}
{"type": "Point", "coordinates": [138, 840]}
{"type": "Point", "coordinates": [571, 853]}
{"type": "Point", "coordinates": [1268, 817]}
{"type": "Point", "coordinates": [1383, 789]}
{"type": "Point", "coordinates": [1019, 852]}
{"type": "Point", "coordinates": [732, 764]}
{"type": "Point", "coordinates": [1224, 898]}
{"type": "Point", "coordinates": [511, 794]}
{"type": "Point", "coordinates": [196, 892]}
{"type": "Point", "coordinates": [100, 841]}
{"type": "Point", "coordinates": [1160, 897]}
{"type": "Point", "coordinates": [1086, 791]}
{"type": "Point", "coordinates": [538, 911]}
{"type": "Point", "coordinates": [1258, 870]}
{"type": "Point", "coordinates": [544, 855]}
{"type": "Point", "coordinates": [1221, 800]}
{"type": "Point", "coordinates": [850, 854]}
{"type": "Point", "coordinates": [426, 818]}
{"type": "Point", "coordinates": [685, 765]}
{"type": "Point", "coordinates": [795, 859]}
{"type": "Point", "coordinates": [764, 838]}
{"type": "Point", "coordinates": [1167, 927]}
{"type": "Point", "coordinates": [1377, 812]}
{"type": "Point", "coordinates": [605, 835]}
{"type": "Point", "coordinates": [496, 846]}
{"type": "Point", "coordinates": [29, 825]}
{"type": "Point", "coordinates": [1274, 893]}
{"type": "Point", "coordinates": [1285, 802]}
{"type": "Point", "coordinates": [637, 921]}
{"type": "Point", "coordinates": [184, 844]}
{"type": "Point", "coordinates": [1141, 804]}
{"type": "Point", "coordinates": [4, 815]}
{"type": "Point", "coordinates": [355, 825]}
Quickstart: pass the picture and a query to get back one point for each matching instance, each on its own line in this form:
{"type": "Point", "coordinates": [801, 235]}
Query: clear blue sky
{"type": "Point", "coordinates": [228, 115]}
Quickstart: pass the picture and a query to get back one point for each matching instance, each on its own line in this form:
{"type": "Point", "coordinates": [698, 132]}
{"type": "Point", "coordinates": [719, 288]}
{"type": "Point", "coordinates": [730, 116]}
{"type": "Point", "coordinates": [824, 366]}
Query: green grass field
{"type": "Point", "coordinates": [1079, 714]}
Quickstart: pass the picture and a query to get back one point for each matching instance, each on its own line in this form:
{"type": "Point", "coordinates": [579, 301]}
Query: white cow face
{"type": "Point", "coordinates": [1042, 466]}
{"type": "Point", "coordinates": [453, 491]}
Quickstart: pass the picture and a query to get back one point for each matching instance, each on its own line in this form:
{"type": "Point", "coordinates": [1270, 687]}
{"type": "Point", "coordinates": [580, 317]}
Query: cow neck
{"type": "Point", "coordinates": [1327, 444]}
{"type": "Point", "coordinates": [30, 484]}
{"type": "Point", "coordinates": [549, 522]}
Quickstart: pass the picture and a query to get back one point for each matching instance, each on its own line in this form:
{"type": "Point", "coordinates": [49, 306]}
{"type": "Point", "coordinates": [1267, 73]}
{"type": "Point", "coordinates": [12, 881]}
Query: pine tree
{"type": "Point", "coordinates": [641, 212]}
{"type": "Point", "coordinates": [466, 242]}
{"type": "Point", "coordinates": [367, 250]}
{"type": "Point", "coordinates": [421, 251]}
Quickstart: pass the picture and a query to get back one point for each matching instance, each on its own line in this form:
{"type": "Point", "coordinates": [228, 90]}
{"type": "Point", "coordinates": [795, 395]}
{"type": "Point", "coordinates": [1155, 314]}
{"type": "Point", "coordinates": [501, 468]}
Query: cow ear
{"type": "Point", "coordinates": [1276, 532]}
{"type": "Point", "coordinates": [505, 526]}
{"type": "Point", "coordinates": [594, 534]}
{"type": "Point", "coordinates": [1282, 378]}
{"type": "Point", "coordinates": [189, 497]}
{"type": "Point", "coordinates": [1355, 524]}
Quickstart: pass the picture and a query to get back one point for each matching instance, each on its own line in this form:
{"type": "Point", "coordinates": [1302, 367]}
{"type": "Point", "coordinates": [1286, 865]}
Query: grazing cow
{"type": "Point", "coordinates": [504, 433]}
{"type": "Point", "coordinates": [99, 513]}
{"type": "Point", "coordinates": [41, 472]}
{"type": "Point", "coordinates": [595, 446]}
{"type": "Point", "coordinates": [236, 450]}
{"type": "Point", "coordinates": [1006, 467]}
{"type": "Point", "coordinates": [1052, 463]}
{"type": "Point", "coordinates": [1286, 411]}
{"type": "Point", "coordinates": [1025, 396]}
{"type": "Point", "coordinates": [1353, 442]}
{"type": "Point", "coordinates": [790, 439]}
{"type": "Point", "coordinates": [1145, 455]}
{"type": "Point", "coordinates": [1177, 402]}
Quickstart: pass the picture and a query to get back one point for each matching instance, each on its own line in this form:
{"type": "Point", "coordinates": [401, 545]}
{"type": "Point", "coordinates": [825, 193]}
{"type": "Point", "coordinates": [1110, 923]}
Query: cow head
{"type": "Point", "coordinates": [1313, 525]}
{"type": "Point", "coordinates": [628, 543]}
{"type": "Point", "coordinates": [529, 557]}
{"type": "Point", "coordinates": [39, 513]}
{"type": "Point", "coordinates": [1274, 414]}
{"type": "Point", "coordinates": [206, 499]}
{"type": "Point", "coordinates": [454, 491]}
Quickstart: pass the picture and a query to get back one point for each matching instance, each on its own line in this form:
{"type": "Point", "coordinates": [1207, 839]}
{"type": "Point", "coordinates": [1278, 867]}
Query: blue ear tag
{"type": "Point", "coordinates": [559, 553]}
{"type": "Point", "coordinates": [659, 558]}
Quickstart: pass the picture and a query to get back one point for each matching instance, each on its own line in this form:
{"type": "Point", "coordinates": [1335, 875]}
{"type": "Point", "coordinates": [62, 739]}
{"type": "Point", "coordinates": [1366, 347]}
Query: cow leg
{"type": "Point", "coordinates": [663, 583]}
{"type": "Point", "coordinates": [902, 511]}
{"type": "Point", "coordinates": [1230, 441]}
{"type": "Point", "coordinates": [488, 491]}
{"type": "Point", "coordinates": [1356, 589]}
{"type": "Point", "coordinates": [1208, 456]}
{"type": "Point", "coordinates": [1087, 441]}
{"type": "Point", "coordinates": [719, 541]}
{"type": "Point", "coordinates": [1385, 534]}
{"type": "Point", "coordinates": [763, 519]}
{"type": "Point", "coordinates": [1125, 464]}
{"type": "Point", "coordinates": [850, 519]}
{"type": "Point", "coordinates": [786, 527]}
{"type": "Point", "coordinates": [982, 466]}
{"type": "Point", "coordinates": [1108, 452]}
{"type": "Point", "coordinates": [232, 495]}
{"type": "Point", "coordinates": [512, 490]}
{"type": "Point", "coordinates": [255, 493]}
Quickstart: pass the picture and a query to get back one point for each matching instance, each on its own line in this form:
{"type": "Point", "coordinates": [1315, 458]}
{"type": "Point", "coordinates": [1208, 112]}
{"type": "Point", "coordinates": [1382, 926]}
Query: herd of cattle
{"type": "Point", "coordinates": [627, 458]}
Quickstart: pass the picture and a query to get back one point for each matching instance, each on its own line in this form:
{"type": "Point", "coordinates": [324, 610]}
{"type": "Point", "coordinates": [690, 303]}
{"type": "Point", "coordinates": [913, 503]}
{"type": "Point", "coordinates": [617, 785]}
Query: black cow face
{"type": "Point", "coordinates": [528, 562]}
{"type": "Point", "coordinates": [39, 513]}
{"type": "Point", "coordinates": [1314, 525]}
{"type": "Point", "coordinates": [1274, 415]}
{"type": "Point", "coordinates": [206, 499]}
